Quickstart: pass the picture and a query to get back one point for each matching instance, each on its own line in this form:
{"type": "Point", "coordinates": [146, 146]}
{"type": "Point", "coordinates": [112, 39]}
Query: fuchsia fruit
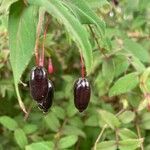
{"type": "Point", "coordinates": [47, 103]}
{"type": "Point", "coordinates": [82, 93]}
{"type": "Point", "coordinates": [38, 83]}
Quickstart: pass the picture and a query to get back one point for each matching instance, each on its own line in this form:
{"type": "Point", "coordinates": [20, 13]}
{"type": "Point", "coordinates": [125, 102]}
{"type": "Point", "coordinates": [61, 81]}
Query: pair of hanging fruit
{"type": "Point", "coordinates": [42, 89]}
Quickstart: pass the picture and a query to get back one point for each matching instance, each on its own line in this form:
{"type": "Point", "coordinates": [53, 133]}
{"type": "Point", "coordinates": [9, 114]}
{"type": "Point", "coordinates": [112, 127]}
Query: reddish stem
{"type": "Point", "coordinates": [82, 66]}
{"type": "Point", "coordinates": [37, 39]}
{"type": "Point", "coordinates": [41, 60]}
{"type": "Point", "coordinates": [36, 54]}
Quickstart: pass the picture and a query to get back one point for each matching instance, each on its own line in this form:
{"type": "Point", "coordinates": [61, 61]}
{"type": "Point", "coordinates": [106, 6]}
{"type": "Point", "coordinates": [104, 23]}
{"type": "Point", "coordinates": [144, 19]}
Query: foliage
{"type": "Point", "coordinates": [114, 42]}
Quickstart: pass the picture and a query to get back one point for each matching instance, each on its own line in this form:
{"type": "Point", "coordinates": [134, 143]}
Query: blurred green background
{"type": "Point", "coordinates": [117, 116]}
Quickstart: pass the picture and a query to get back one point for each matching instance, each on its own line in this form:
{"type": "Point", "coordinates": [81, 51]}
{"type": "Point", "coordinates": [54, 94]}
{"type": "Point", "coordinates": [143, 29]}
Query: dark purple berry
{"type": "Point", "coordinates": [82, 92]}
{"type": "Point", "coordinates": [47, 103]}
{"type": "Point", "coordinates": [38, 83]}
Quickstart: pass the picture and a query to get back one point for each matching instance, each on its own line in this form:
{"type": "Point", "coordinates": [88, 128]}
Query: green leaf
{"type": "Point", "coordinates": [72, 130]}
{"type": "Point", "coordinates": [144, 80]}
{"type": "Point", "coordinates": [8, 123]}
{"type": "Point", "coordinates": [101, 84]}
{"type": "Point", "coordinates": [22, 33]}
{"type": "Point", "coordinates": [97, 3]}
{"type": "Point", "coordinates": [105, 43]}
{"type": "Point", "coordinates": [30, 128]}
{"type": "Point", "coordinates": [76, 121]}
{"type": "Point", "coordinates": [144, 4]}
{"type": "Point", "coordinates": [52, 121]}
{"type": "Point", "coordinates": [110, 119]}
{"type": "Point", "coordinates": [127, 134]}
{"type": "Point", "coordinates": [137, 64]}
{"type": "Point", "coordinates": [124, 84]}
{"type": "Point", "coordinates": [20, 138]}
{"type": "Point", "coordinates": [138, 22]}
{"type": "Point", "coordinates": [86, 15]}
{"type": "Point", "coordinates": [108, 70]}
{"type": "Point", "coordinates": [127, 116]}
{"type": "Point", "coordinates": [92, 121]}
{"type": "Point", "coordinates": [121, 64]}
{"type": "Point", "coordinates": [130, 144]}
{"type": "Point", "coordinates": [67, 141]}
{"type": "Point", "coordinates": [137, 50]}
{"type": "Point", "coordinates": [74, 27]}
{"type": "Point", "coordinates": [59, 112]}
{"type": "Point", "coordinates": [143, 104]}
{"type": "Point", "coordinates": [108, 145]}
{"type": "Point", "coordinates": [96, 61]}
{"type": "Point", "coordinates": [145, 121]}
{"type": "Point", "coordinates": [71, 110]}
{"type": "Point", "coordinates": [40, 146]}
{"type": "Point", "coordinates": [134, 99]}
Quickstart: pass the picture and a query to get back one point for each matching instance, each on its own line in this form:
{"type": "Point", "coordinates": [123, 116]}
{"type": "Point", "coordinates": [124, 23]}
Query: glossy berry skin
{"type": "Point", "coordinates": [47, 103]}
{"type": "Point", "coordinates": [38, 83]}
{"type": "Point", "coordinates": [82, 93]}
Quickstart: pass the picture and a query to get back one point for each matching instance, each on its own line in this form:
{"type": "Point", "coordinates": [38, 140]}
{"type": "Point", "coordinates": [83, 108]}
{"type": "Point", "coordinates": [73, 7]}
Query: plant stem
{"type": "Point", "coordinates": [24, 84]}
{"type": "Point", "coordinates": [43, 48]}
{"type": "Point", "coordinates": [82, 66]}
{"type": "Point", "coordinates": [138, 130]}
{"type": "Point", "coordinates": [96, 40]}
{"type": "Point", "coordinates": [21, 104]}
{"type": "Point", "coordinates": [120, 112]}
{"type": "Point", "coordinates": [117, 137]}
{"type": "Point", "coordinates": [139, 135]}
{"type": "Point", "coordinates": [59, 133]}
{"type": "Point", "coordinates": [38, 32]}
{"type": "Point", "coordinates": [25, 2]}
{"type": "Point", "coordinates": [28, 112]}
{"type": "Point", "coordinates": [99, 136]}
{"type": "Point", "coordinates": [103, 129]}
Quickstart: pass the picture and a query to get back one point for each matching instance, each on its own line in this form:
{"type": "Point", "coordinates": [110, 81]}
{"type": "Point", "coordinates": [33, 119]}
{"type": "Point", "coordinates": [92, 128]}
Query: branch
{"type": "Point", "coordinates": [38, 32]}
{"type": "Point", "coordinates": [28, 112]}
{"type": "Point", "coordinates": [96, 40]}
{"type": "Point", "coordinates": [99, 136]}
{"type": "Point", "coordinates": [41, 63]}
{"type": "Point", "coordinates": [59, 133]}
{"type": "Point", "coordinates": [138, 130]}
{"type": "Point", "coordinates": [103, 129]}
